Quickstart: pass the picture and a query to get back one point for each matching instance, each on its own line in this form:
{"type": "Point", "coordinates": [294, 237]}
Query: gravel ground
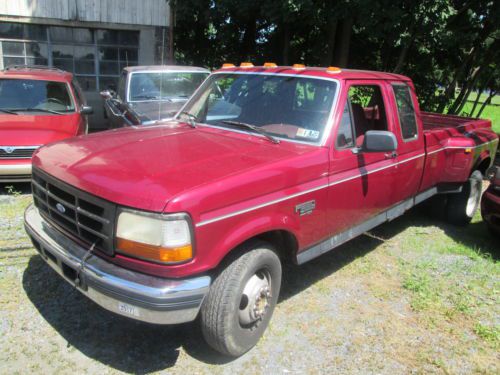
{"type": "Point", "coordinates": [413, 296]}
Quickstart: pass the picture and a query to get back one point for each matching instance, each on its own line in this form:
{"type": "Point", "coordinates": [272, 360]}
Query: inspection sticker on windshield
{"type": "Point", "coordinates": [307, 133]}
{"type": "Point", "coordinates": [128, 309]}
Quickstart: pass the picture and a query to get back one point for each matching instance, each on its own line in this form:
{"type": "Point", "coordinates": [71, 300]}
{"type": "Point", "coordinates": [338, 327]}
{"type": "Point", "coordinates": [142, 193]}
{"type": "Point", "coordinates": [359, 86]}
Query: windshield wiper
{"type": "Point", "coordinates": [36, 110]}
{"type": "Point", "coordinates": [146, 96]}
{"type": "Point", "coordinates": [10, 112]}
{"type": "Point", "coordinates": [192, 118]}
{"type": "Point", "coordinates": [252, 127]}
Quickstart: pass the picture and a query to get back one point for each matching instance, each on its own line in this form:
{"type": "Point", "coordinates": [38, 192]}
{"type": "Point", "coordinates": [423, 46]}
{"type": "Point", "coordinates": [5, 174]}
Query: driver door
{"type": "Point", "coordinates": [361, 184]}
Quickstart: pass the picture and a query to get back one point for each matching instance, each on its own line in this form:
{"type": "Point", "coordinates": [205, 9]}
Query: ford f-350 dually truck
{"type": "Point", "coordinates": [193, 218]}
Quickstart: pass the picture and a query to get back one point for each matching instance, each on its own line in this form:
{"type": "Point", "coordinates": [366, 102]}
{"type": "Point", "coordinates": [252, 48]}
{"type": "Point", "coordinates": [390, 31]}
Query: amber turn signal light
{"type": "Point", "coordinates": [154, 253]}
{"type": "Point", "coordinates": [333, 69]}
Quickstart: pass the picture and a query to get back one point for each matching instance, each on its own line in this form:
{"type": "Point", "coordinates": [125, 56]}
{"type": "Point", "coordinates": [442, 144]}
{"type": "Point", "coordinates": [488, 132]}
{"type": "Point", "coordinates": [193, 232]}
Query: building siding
{"type": "Point", "coordinates": [132, 12]}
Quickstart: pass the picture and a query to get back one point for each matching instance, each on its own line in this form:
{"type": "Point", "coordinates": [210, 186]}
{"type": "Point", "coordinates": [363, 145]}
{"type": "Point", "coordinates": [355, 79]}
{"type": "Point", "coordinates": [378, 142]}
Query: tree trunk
{"type": "Point", "coordinates": [342, 44]}
{"type": "Point", "coordinates": [286, 44]}
{"type": "Point", "coordinates": [406, 48]}
{"type": "Point", "coordinates": [459, 103]}
{"type": "Point", "coordinates": [480, 91]}
{"type": "Point", "coordinates": [459, 72]}
{"type": "Point", "coordinates": [486, 102]}
{"type": "Point", "coordinates": [332, 31]}
{"type": "Point", "coordinates": [248, 42]}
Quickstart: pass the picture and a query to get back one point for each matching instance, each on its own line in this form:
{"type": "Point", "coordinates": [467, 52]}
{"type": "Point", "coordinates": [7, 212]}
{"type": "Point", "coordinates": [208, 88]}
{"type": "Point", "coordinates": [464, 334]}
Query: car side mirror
{"type": "Point", "coordinates": [86, 110]}
{"type": "Point", "coordinates": [379, 141]}
{"type": "Point", "coordinates": [107, 94]}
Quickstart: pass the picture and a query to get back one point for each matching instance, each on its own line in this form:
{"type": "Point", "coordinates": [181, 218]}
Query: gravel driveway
{"type": "Point", "coordinates": [354, 310]}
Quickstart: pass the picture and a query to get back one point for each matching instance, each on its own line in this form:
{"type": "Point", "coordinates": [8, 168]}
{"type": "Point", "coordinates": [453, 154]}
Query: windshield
{"type": "Point", "coordinates": [289, 107]}
{"type": "Point", "coordinates": [164, 86]}
{"type": "Point", "coordinates": [19, 94]}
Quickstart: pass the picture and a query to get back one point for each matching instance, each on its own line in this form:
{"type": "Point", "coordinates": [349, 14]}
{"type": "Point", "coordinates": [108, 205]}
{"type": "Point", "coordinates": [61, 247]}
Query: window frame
{"type": "Point", "coordinates": [327, 133]}
{"type": "Point", "coordinates": [417, 133]}
{"type": "Point", "coordinates": [95, 44]}
{"type": "Point", "coordinates": [347, 87]}
{"type": "Point", "coordinates": [353, 131]}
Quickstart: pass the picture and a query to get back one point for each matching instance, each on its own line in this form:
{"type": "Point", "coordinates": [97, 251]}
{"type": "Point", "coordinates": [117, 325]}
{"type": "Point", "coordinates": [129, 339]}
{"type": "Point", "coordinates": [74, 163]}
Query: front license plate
{"type": "Point", "coordinates": [128, 309]}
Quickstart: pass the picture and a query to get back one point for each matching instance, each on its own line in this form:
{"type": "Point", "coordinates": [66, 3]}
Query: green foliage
{"type": "Point", "coordinates": [440, 44]}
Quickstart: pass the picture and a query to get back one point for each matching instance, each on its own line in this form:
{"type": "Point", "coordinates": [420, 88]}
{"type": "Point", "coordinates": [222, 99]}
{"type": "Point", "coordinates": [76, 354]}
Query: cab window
{"type": "Point", "coordinates": [406, 111]}
{"type": "Point", "coordinates": [364, 111]}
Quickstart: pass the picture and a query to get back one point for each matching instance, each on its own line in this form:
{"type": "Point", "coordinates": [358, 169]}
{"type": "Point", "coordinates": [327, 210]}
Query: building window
{"type": "Point", "coordinates": [95, 57]}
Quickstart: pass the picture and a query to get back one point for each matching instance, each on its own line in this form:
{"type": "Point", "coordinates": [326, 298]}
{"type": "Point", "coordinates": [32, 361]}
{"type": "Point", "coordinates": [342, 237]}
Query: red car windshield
{"type": "Point", "coordinates": [33, 95]}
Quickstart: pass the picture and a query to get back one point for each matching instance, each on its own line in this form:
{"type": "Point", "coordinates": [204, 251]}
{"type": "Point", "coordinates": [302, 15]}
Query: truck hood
{"type": "Point", "coordinates": [23, 130]}
{"type": "Point", "coordinates": [144, 167]}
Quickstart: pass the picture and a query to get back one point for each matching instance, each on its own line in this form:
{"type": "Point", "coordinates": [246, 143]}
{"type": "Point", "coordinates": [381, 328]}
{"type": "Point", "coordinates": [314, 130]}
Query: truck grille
{"type": "Point", "coordinates": [7, 152]}
{"type": "Point", "coordinates": [84, 217]}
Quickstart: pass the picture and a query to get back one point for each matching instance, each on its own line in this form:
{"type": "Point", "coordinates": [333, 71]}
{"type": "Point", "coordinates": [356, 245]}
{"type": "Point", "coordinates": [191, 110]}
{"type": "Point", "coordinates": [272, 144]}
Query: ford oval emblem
{"type": "Point", "coordinates": [60, 208]}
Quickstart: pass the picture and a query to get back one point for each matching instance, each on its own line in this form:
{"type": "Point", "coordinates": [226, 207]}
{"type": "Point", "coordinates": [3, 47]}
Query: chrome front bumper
{"type": "Point", "coordinates": [125, 292]}
{"type": "Point", "coordinates": [15, 172]}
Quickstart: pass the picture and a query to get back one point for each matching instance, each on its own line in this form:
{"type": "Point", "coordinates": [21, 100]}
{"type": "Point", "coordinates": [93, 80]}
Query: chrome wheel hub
{"type": "Point", "coordinates": [256, 299]}
{"type": "Point", "coordinates": [474, 197]}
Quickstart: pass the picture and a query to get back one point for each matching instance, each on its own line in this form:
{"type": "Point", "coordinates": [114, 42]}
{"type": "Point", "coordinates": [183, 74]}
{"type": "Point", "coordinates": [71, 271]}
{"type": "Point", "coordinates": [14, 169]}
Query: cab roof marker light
{"type": "Point", "coordinates": [246, 65]}
{"type": "Point", "coordinates": [270, 65]}
{"type": "Point", "coordinates": [333, 70]}
{"type": "Point", "coordinates": [298, 66]}
{"type": "Point", "coordinates": [227, 65]}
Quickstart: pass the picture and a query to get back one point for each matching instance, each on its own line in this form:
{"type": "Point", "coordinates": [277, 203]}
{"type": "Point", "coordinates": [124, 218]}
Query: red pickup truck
{"type": "Point", "coordinates": [194, 217]}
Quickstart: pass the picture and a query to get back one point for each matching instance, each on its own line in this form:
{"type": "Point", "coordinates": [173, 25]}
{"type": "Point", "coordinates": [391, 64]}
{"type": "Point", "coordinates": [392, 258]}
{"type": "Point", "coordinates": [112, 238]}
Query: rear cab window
{"type": "Point", "coordinates": [406, 111]}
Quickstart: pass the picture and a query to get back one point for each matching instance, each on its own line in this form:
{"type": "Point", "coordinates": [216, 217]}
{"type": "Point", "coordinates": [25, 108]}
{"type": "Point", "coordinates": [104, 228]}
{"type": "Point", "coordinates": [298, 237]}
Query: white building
{"type": "Point", "coordinates": [94, 39]}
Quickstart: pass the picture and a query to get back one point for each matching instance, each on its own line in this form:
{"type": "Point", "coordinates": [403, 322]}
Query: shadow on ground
{"type": "Point", "coordinates": [131, 346]}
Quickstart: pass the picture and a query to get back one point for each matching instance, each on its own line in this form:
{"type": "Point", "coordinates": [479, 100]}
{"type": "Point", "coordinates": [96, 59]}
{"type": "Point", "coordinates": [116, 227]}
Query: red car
{"type": "Point", "coordinates": [490, 203]}
{"type": "Point", "coordinates": [38, 105]}
{"type": "Point", "coordinates": [195, 216]}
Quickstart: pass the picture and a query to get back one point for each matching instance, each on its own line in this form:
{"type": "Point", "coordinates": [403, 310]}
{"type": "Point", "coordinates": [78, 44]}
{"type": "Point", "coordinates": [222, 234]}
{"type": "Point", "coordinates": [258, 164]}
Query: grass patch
{"type": "Point", "coordinates": [418, 280]}
{"type": "Point", "coordinates": [488, 334]}
{"type": "Point", "coordinates": [491, 112]}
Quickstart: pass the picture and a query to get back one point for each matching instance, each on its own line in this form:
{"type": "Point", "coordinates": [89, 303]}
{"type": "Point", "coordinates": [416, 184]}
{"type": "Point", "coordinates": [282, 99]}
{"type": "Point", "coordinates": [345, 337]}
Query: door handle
{"type": "Point", "coordinates": [391, 155]}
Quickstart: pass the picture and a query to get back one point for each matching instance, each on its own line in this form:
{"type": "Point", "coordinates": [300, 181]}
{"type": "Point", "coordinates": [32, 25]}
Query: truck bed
{"type": "Point", "coordinates": [454, 125]}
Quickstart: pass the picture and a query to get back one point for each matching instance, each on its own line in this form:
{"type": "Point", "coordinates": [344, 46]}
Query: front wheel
{"type": "Point", "coordinates": [461, 207]}
{"type": "Point", "coordinates": [241, 301]}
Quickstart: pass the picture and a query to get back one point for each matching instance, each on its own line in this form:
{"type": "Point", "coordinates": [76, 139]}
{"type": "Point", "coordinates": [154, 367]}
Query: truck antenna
{"type": "Point", "coordinates": [161, 75]}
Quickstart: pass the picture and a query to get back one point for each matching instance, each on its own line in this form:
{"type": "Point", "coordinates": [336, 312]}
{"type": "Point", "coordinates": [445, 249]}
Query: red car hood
{"type": "Point", "coordinates": [28, 130]}
{"type": "Point", "coordinates": [145, 167]}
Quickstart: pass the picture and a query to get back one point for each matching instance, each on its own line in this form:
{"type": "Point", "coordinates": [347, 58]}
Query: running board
{"type": "Point", "coordinates": [337, 240]}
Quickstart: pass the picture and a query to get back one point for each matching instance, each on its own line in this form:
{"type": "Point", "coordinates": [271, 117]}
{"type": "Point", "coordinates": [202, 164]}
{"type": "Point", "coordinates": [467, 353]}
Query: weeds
{"type": "Point", "coordinates": [488, 334]}
{"type": "Point", "coordinates": [11, 190]}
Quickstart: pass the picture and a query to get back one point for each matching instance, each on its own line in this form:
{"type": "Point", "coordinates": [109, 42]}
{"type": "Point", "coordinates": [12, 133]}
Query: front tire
{"type": "Point", "coordinates": [241, 301]}
{"type": "Point", "coordinates": [461, 207]}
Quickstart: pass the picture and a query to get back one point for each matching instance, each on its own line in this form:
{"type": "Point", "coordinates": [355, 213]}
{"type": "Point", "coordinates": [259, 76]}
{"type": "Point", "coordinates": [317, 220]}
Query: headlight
{"type": "Point", "coordinates": [156, 237]}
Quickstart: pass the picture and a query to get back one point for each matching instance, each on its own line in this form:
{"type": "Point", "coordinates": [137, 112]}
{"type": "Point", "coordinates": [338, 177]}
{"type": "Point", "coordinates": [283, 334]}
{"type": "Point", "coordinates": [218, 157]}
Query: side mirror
{"type": "Point", "coordinates": [379, 141]}
{"type": "Point", "coordinates": [86, 110]}
{"type": "Point", "coordinates": [107, 94]}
